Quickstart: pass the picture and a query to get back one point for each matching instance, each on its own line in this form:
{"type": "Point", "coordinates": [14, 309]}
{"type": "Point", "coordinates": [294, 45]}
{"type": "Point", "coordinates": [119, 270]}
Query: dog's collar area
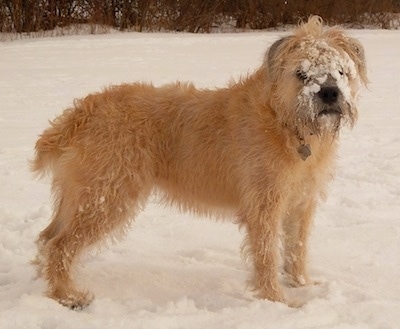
{"type": "Point", "coordinates": [304, 150]}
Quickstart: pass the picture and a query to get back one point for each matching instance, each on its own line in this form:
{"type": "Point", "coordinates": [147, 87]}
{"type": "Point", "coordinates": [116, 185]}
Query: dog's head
{"type": "Point", "coordinates": [314, 76]}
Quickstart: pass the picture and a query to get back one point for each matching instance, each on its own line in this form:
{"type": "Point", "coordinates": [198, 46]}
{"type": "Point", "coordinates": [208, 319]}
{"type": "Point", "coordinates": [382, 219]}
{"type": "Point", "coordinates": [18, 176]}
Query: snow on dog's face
{"type": "Point", "coordinates": [315, 76]}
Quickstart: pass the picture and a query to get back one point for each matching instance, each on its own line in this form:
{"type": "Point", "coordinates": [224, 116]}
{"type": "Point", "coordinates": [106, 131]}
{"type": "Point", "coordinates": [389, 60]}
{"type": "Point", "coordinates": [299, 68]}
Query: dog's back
{"type": "Point", "coordinates": [184, 149]}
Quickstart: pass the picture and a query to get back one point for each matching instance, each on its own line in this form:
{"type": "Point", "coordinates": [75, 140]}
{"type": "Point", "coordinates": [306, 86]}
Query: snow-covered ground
{"type": "Point", "coordinates": [175, 271]}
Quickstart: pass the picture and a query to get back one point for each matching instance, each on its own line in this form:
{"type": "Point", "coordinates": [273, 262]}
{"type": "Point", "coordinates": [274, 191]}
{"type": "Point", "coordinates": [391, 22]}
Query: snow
{"type": "Point", "coordinates": [173, 270]}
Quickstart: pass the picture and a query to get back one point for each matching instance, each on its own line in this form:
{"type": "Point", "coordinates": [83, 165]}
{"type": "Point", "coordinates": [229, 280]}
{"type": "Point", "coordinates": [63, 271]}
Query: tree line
{"type": "Point", "coordinates": [185, 15]}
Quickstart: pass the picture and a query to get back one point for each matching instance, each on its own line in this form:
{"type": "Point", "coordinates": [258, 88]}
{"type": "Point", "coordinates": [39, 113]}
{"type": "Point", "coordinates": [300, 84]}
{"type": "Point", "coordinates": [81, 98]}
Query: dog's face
{"type": "Point", "coordinates": [314, 77]}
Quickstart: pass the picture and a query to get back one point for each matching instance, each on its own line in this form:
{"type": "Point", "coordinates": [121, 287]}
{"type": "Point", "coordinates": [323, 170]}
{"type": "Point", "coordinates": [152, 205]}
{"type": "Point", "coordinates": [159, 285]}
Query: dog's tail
{"type": "Point", "coordinates": [53, 143]}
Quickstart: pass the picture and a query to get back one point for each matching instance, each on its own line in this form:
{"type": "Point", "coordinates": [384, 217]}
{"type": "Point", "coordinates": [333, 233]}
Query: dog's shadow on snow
{"type": "Point", "coordinates": [188, 280]}
{"type": "Point", "coordinates": [157, 283]}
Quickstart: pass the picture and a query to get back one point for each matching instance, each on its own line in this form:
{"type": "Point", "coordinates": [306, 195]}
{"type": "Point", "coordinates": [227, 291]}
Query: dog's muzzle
{"type": "Point", "coordinates": [329, 96]}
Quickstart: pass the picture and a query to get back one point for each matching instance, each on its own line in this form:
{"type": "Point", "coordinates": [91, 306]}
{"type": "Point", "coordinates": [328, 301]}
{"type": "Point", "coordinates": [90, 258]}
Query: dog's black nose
{"type": "Point", "coordinates": [329, 95]}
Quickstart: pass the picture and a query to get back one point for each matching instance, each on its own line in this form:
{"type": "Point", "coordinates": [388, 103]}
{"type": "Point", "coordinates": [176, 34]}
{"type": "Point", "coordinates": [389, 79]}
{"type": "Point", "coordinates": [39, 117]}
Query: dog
{"type": "Point", "coordinates": [261, 149]}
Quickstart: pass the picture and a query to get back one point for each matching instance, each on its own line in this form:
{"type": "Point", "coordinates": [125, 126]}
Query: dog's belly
{"type": "Point", "coordinates": [198, 178]}
{"type": "Point", "coordinates": [199, 189]}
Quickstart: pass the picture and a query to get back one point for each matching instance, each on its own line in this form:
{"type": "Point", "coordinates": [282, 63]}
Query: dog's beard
{"type": "Point", "coordinates": [328, 119]}
{"type": "Point", "coordinates": [323, 120]}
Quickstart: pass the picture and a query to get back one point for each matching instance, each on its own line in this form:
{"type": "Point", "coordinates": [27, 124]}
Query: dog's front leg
{"type": "Point", "coordinates": [296, 227]}
{"type": "Point", "coordinates": [262, 221]}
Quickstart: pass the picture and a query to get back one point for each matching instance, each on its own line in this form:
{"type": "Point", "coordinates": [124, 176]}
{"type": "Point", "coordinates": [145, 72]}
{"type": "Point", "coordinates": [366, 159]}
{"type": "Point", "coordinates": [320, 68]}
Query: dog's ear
{"type": "Point", "coordinates": [273, 50]}
{"type": "Point", "coordinates": [356, 52]}
{"type": "Point", "coordinates": [273, 60]}
{"type": "Point", "coordinates": [354, 49]}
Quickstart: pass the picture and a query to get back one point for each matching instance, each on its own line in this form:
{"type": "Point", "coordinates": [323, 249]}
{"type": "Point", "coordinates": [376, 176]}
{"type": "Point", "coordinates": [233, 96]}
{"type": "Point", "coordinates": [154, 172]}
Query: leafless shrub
{"type": "Point", "coordinates": [30, 16]}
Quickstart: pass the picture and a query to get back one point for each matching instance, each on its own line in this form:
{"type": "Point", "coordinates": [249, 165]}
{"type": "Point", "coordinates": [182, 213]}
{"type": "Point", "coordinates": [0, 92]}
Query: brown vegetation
{"type": "Point", "coordinates": [186, 15]}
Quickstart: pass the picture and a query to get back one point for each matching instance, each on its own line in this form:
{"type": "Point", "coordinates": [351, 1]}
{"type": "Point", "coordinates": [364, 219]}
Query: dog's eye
{"type": "Point", "coordinates": [301, 75]}
{"type": "Point", "coordinates": [341, 72]}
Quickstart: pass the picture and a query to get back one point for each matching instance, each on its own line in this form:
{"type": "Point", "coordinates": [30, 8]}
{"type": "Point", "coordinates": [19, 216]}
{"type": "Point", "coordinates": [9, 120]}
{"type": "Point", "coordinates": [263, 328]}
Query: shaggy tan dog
{"type": "Point", "coordinates": [262, 149]}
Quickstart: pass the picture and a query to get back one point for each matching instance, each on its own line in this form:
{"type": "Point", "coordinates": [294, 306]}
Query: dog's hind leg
{"type": "Point", "coordinates": [89, 215]}
{"type": "Point", "coordinates": [59, 219]}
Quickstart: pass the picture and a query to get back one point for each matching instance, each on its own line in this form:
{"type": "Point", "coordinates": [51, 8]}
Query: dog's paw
{"type": "Point", "coordinates": [296, 303]}
{"type": "Point", "coordinates": [299, 281]}
{"type": "Point", "coordinates": [74, 300]}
